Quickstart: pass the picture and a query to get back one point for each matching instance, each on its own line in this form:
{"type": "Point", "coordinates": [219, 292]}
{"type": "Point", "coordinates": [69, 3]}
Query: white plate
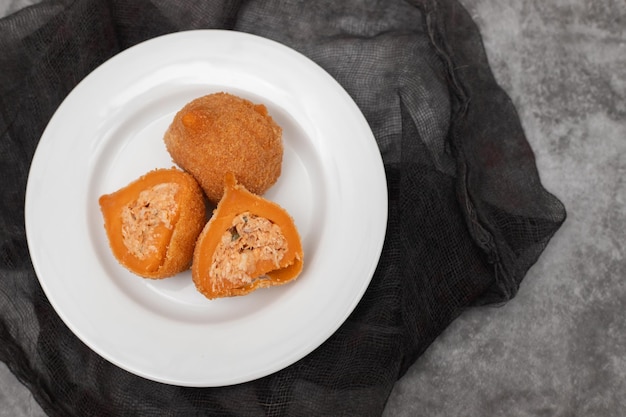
{"type": "Point", "coordinates": [109, 131]}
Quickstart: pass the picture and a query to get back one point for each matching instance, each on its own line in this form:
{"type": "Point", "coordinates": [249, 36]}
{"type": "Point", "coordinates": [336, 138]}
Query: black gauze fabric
{"type": "Point", "coordinates": [468, 215]}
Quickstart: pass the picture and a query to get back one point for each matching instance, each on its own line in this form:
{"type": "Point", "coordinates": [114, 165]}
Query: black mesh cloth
{"type": "Point", "coordinates": [468, 215]}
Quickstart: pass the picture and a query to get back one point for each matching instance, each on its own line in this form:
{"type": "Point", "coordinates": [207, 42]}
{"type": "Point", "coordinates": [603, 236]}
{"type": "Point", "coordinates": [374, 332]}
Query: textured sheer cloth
{"type": "Point", "coordinates": [467, 212]}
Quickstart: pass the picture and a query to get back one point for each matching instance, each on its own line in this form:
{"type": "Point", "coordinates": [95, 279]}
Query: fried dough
{"type": "Point", "coordinates": [249, 243]}
{"type": "Point", "coordinates": [221, 133]}
{"type": "Point", "coordinates": [152, 223]}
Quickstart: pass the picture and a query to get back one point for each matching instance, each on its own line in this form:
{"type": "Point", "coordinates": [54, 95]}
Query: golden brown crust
{"type": "Point", "coordinates": [191, 220]}
{"type": "Point", "coordinates": [220, 133]}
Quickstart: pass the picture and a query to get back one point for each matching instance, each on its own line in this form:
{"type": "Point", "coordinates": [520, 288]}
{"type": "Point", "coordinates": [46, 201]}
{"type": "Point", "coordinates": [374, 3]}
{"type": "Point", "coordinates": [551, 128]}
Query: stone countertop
{"type": "Point", "coordinates": [559, 347]}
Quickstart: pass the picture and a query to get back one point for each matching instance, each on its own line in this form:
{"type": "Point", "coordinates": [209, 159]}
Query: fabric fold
{"type": "Point", "coordinates": [468, 215]}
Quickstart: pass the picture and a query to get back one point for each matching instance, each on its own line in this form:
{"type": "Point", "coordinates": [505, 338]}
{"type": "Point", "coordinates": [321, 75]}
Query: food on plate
{"type": "Point", "coordinates": [249, 243]}
{"type": "Point", "coordinates": [220, 133]}
{"type": "Point", "coordinates": [152, 223]}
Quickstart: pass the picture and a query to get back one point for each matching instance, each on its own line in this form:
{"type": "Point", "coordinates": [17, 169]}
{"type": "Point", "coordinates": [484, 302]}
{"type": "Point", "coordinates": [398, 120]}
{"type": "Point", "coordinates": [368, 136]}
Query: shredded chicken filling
{"type": "Point", "coordinates": [250, 240]}
{"type": "Point", "coordinates": [140, 219]}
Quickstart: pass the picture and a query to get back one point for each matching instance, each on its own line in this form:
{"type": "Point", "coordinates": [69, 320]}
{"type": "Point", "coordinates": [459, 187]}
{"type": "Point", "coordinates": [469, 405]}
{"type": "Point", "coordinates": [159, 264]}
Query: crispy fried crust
{"type": "Point", "coordinates": [220, 133]}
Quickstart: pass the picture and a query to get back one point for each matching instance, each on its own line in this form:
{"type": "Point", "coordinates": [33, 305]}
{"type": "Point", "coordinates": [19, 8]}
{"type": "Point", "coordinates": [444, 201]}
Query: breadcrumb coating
{"type": "Point", "coordinates": [220, 133]}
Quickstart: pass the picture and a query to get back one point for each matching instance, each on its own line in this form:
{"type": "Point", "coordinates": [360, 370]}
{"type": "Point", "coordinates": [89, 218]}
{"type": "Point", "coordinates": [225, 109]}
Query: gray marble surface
{"type": "Point", "coordinates": [559, 347]}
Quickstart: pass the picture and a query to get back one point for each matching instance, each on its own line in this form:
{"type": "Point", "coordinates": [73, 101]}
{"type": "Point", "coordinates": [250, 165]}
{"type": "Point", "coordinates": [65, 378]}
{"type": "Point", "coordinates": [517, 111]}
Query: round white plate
{"type": "Point", "coordinates": [109, 131]}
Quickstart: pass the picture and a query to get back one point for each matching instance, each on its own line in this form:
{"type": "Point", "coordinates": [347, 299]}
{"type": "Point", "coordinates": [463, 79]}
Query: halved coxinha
{"type": "Point", "coordinates": [152, 223]}
{"type": "Point", "coordinates": [249, 243]}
